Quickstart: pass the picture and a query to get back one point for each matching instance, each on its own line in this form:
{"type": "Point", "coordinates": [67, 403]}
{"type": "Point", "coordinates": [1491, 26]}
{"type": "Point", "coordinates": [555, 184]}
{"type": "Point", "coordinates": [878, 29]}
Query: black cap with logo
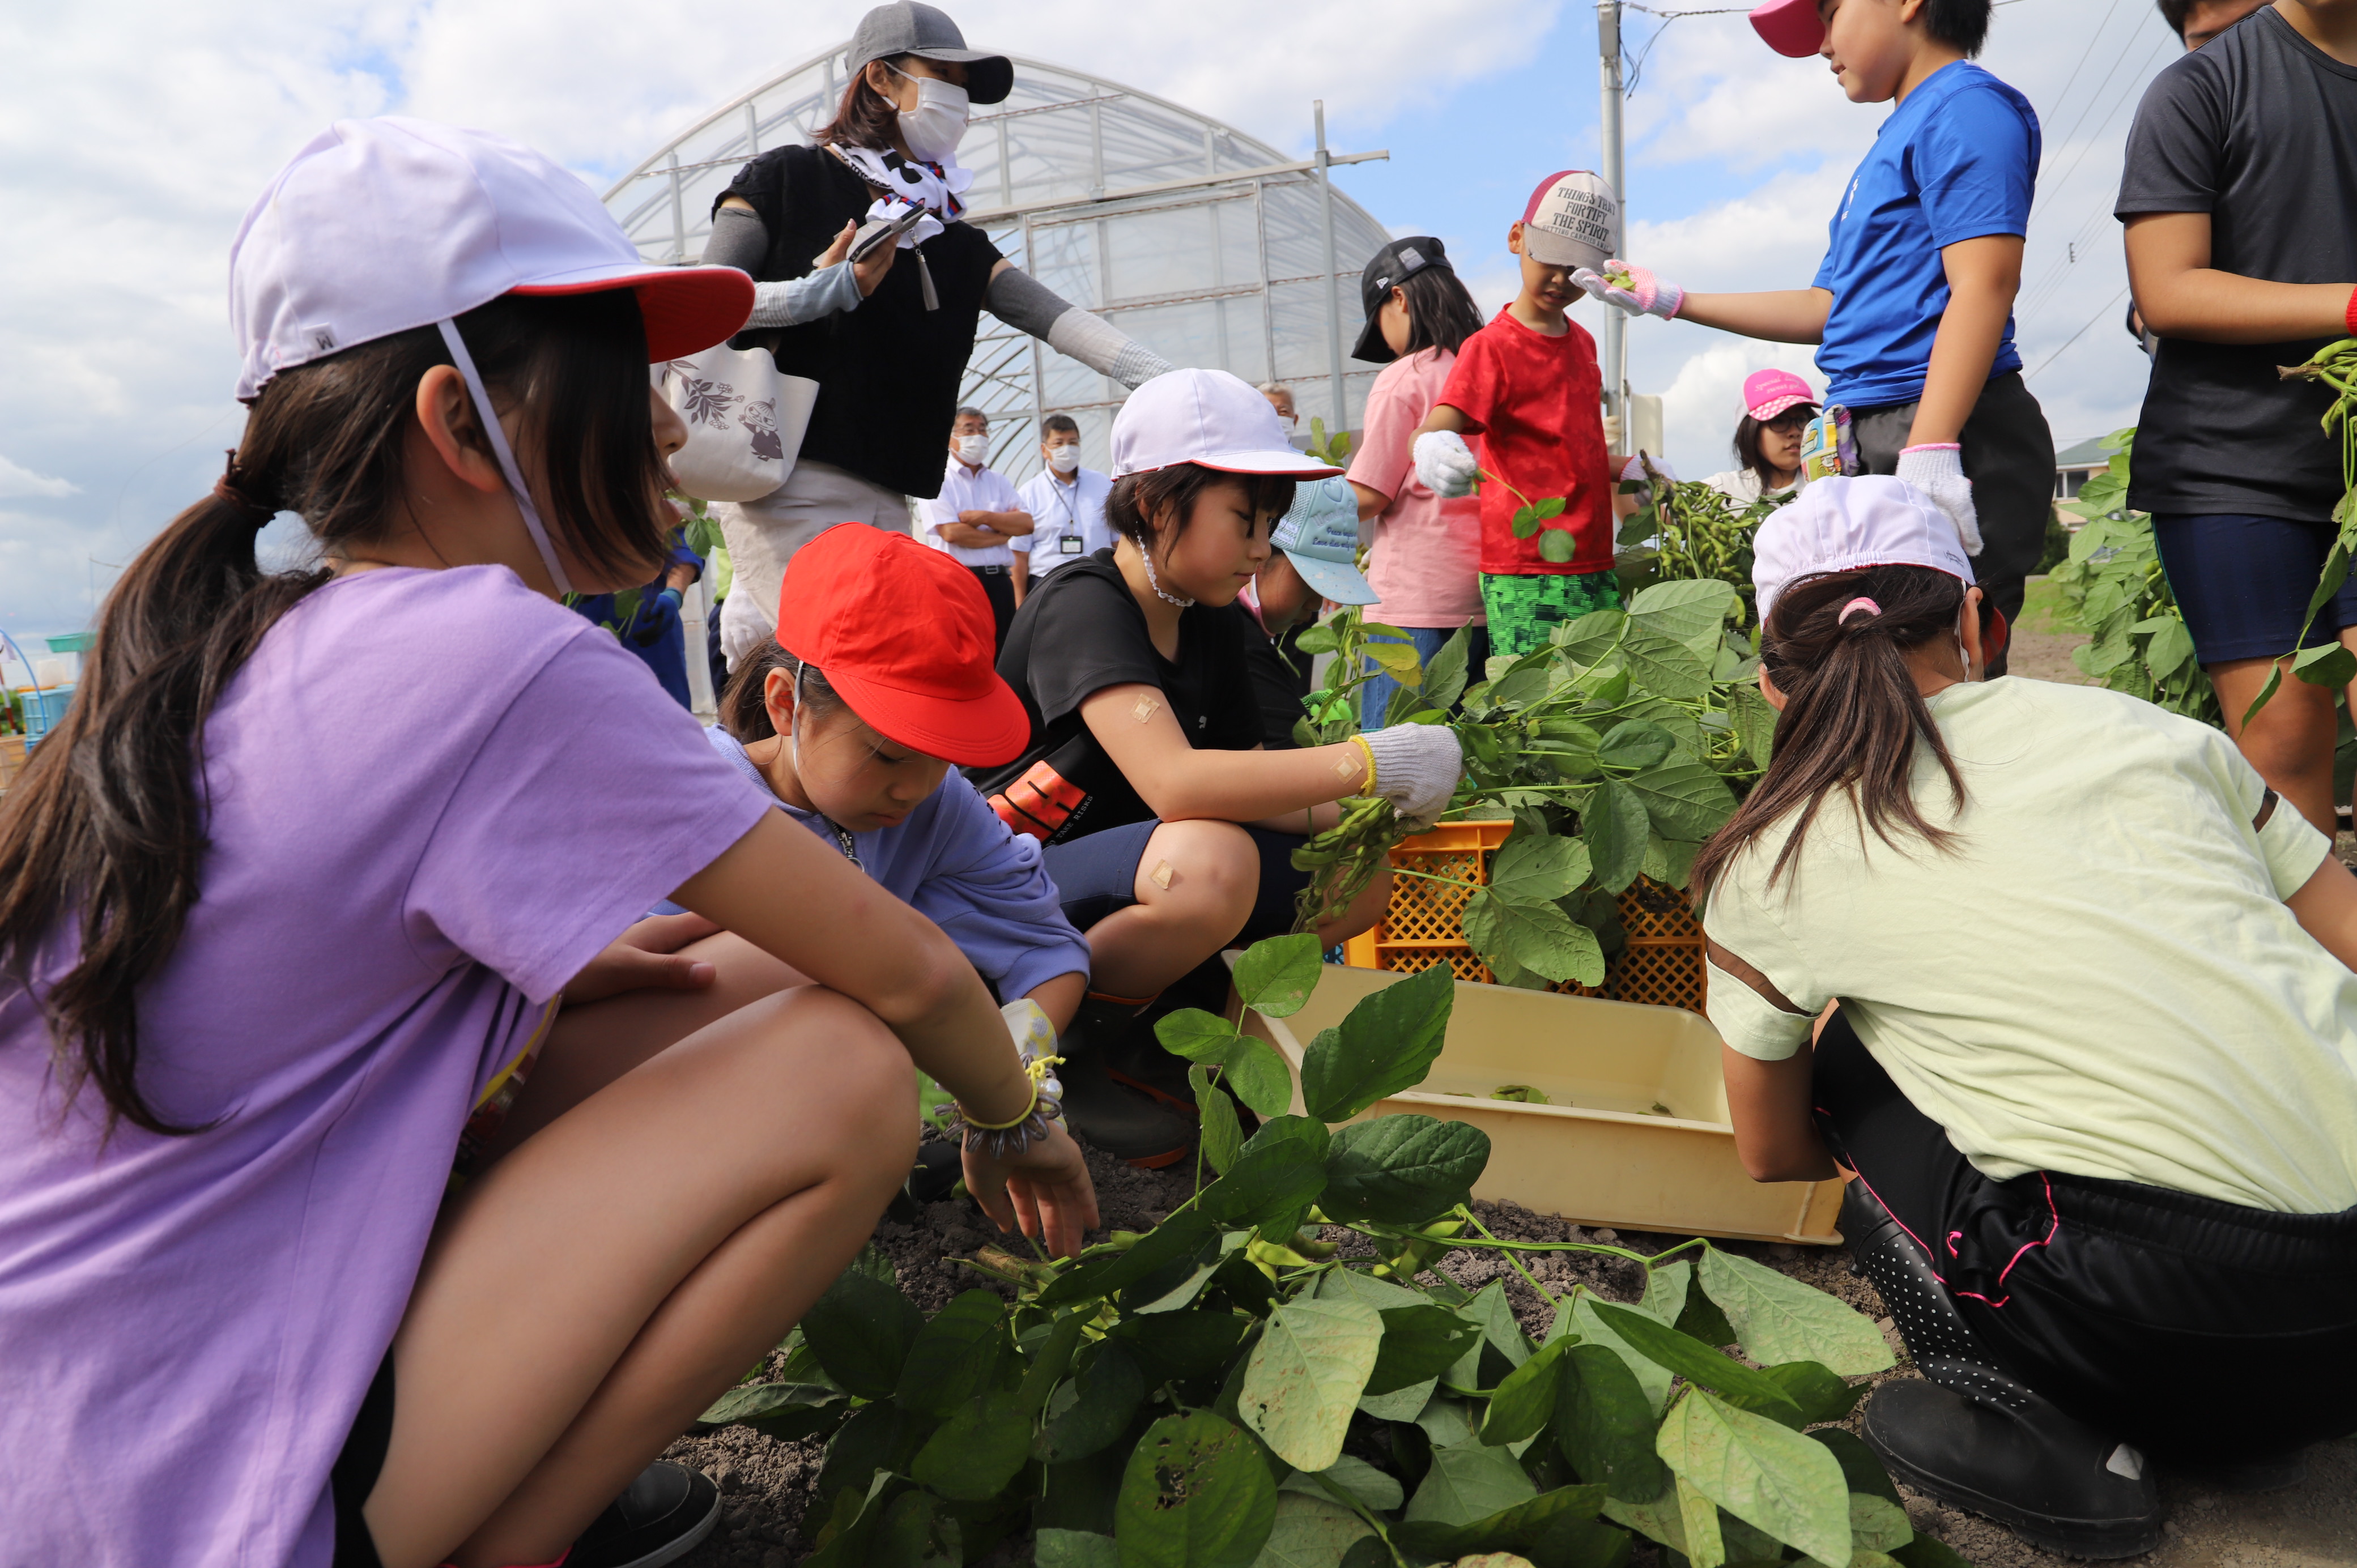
{"type": "Point", "coordinates": [1393, 266]}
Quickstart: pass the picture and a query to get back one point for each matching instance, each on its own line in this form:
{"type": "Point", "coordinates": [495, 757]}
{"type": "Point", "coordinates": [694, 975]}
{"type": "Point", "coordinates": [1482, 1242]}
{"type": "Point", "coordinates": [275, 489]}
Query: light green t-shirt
{"type": "Point", "coordinates": [2102, 979]}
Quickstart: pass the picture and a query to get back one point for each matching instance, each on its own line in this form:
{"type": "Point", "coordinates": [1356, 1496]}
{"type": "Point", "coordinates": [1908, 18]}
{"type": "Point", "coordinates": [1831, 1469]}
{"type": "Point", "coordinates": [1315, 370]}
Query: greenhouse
{"type": "Point", "coordinates": [1207, 245]}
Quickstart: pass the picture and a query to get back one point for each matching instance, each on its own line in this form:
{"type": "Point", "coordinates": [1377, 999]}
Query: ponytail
{"type": "Point", "coordinates": [1852, 716]}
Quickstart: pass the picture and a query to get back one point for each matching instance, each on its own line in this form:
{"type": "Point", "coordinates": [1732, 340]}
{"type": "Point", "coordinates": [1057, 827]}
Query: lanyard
{"type": "Point", "coordinates": [843, 841]}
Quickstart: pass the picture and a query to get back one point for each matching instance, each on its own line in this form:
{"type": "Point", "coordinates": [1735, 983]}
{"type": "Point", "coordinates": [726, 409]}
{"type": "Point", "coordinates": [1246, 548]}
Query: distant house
{"type": "Point", "coordinates": [2074, 465]}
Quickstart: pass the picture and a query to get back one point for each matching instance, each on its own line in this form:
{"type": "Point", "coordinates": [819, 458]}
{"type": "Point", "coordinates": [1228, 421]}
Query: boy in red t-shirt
{"type": "Point", "coordinates": [1528, 384]}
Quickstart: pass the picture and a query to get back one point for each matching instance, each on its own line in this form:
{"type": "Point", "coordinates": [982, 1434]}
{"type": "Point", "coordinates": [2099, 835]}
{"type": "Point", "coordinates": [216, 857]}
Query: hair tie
{"type": "Point", "coordinates": [1861, 603]}
{"type": "Point", "coordinates": [230, 488]}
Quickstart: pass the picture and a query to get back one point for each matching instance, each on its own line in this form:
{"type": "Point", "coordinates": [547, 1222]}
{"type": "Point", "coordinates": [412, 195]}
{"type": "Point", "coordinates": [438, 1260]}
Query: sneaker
{"type": "Point", "coordinates": [2055, 1483]}
{"type": "Point", "coordinates": [659, 1518]}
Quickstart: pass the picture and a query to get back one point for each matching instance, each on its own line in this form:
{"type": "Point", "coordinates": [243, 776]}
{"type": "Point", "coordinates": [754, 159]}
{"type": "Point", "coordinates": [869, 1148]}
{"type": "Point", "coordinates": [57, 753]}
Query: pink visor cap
{"type": "Point", "coordinates": [1767, 393]}
{"type": "Point", "coordinates": [380, 226]}
{"type": "Point", "coordinates": [1791, 28]}
{"type": "Point", "coordinates": [1841, 524]}
{"type": "Point", "coordinates": [1209, 418]}
{"type": "Point", "coordinates": [1572, 219]}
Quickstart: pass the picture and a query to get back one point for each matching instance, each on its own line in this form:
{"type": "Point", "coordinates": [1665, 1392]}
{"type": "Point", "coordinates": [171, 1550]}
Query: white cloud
{"type": "Point", "coordinates": [16, 480]}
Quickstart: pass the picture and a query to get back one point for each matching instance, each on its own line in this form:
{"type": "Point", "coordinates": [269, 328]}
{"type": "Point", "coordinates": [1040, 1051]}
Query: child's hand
{"type": "Point", "coordinates": [1632, 287]}
{"type": "Point", "coordinates": [1444, 464]}
{"type": "Point", "coordinates": [1044, 1190]}
{"type": "Point", "coordinates": [646, 957]}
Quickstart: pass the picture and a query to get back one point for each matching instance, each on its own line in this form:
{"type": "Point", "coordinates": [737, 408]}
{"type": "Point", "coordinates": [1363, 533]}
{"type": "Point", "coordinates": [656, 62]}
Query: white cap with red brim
{"type": "Point", "coordinates": [1209, 418]}
{"type": "Point", "coordinates": [1794, 27]}
{"type": "Point", "coordinates": [1842, 524]}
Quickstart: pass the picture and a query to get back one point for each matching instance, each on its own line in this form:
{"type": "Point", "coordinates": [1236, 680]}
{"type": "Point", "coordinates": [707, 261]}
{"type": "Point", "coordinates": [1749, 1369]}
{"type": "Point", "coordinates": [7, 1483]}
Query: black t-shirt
{"type": "Point", "coordinates": [887, 372]}
{"type": "Point", "coordinates": [1280, 678]}
{"type": "Point", "coordinates": [2257, 128]}
{"type": "Point", "coordinates": [1077, 633]}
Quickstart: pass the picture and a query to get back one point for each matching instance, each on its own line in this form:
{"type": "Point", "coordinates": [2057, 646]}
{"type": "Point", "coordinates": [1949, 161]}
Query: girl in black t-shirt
{"type": "Point", "coordinates": [1169, 828]}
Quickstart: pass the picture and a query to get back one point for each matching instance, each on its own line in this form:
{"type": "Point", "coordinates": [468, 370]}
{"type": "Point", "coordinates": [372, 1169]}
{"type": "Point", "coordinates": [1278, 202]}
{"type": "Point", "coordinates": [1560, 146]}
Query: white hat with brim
{"type": "Point", "coordinates": [1846, 524]}
{"type": "Point", "coordinates": [1211, 419]}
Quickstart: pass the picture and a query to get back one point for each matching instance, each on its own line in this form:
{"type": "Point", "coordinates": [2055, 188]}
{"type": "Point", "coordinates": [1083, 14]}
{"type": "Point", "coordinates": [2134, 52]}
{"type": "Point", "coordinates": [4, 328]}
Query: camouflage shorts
{"type": "Point", "coordinates": [1523, 611]}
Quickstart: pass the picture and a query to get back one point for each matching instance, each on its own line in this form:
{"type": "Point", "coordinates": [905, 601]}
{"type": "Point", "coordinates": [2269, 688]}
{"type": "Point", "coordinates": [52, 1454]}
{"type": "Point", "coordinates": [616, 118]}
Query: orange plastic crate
{"type": "Point", "coordinates": [1663, 964]}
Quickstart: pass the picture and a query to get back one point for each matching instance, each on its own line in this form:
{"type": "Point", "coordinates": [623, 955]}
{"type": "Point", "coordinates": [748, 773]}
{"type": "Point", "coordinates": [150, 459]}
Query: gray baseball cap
{"type": "Point", "coordinates": [910, 28]}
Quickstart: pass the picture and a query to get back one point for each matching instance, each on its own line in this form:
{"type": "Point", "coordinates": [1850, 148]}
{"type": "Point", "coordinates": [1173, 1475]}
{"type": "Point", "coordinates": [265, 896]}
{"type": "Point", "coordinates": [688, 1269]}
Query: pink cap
{"type": "Point", "coordinates": [1767, 393]}
{"type": "Point", "coordinates": [1791, 28]}
{"type": "Point", "coordinates": [1572, 219]}
{"type": "Point", "coordinates": [1209, 418]}
{"type": "Point", "coordinates": [1841, 524]}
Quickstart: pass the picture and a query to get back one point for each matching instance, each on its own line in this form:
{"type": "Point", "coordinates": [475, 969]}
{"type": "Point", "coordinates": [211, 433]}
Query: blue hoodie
{"type": "Point", "coordinates": [953, 862]}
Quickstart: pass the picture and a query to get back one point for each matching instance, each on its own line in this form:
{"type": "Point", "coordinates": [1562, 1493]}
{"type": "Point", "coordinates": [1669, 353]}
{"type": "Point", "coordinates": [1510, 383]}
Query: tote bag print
{"type": "Point", "coordinates": [744, 422]}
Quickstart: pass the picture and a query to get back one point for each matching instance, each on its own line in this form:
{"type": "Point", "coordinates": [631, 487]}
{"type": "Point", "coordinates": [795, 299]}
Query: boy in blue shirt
{"type": "Point", "coordinates": [1913, 306]}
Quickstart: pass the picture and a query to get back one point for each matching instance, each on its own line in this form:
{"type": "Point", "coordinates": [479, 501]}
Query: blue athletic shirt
{"type": "Point", "coordinates": [1957, 160]}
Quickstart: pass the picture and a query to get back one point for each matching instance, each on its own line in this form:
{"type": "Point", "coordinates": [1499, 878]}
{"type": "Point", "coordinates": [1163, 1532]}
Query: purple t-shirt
{"type": "Point", "coordinates": [435, 796]}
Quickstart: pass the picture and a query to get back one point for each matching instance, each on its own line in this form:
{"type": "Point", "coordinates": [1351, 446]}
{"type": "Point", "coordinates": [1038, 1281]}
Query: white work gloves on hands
{"type": "Point", "coordinates": [1444, 464]}
{"type": "Point", "coordinates": [1938, 470]}
{"type": "Point", "coordinates": [1644, 294]}
{"type": "Point", "coordinates": [1416, 769]}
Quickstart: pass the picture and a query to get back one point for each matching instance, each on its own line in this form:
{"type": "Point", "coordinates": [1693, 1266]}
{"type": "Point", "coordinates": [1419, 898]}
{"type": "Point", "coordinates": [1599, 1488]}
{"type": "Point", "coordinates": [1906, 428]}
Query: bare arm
{"type": "Point", "coordinates": [1373, 502]}
{"type": "Point", "coordinates": [1134, 725]}
{"type": "Point", "coordinates": [1022, 574]}
{"type": "Point", "coordinates": [1781, 315]}
{"type": "Point", "coordinates": [1984, 275]}
{"type": "Point", "coordinates": [2180, 295]}
{"type": "Point", "coordinates": [1006, 524]}
{"type": "Point", "coordinates": [1769, 1104]}
{"type": "Point", "coordinates": [1443, 417]}
{"type": "Point", "coordinates": [2325, 908]}
{"type": "Point", "coordinates": [966, 536]}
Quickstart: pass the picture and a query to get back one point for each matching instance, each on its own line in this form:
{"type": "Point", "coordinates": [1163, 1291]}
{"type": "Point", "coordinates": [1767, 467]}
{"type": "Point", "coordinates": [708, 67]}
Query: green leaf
{"type": "Point", "coordinates": [1524, 1527]}
{"type": "Point", "coordinates": [954, 1355]}
{"type": "Point", "coordinates": [1095, 1407]}
{"type": "Point", "coordinates": [2171, 647]}
{"type": "Point", "coordinates": [1318, 639]}
{"type": "Point", "coordinates": [1689, 611]}
{"type": "Point", "coordinates": [1305, 1375]}
{"type": "Point", "coordinates": [1685, 800]}
{"type": "Point", "coordinates": [1196, 1494]}
{"type": "Point", "coordinates": [861, 1330]}
{"type": "Point", "coordinates": [1354, 1478]}
{"type": "Point", "coordinates": [1349, 1284]}
{"type": "Point", "coordinates": [1396, 660]}
{"type": "Point", "coordinates": [1537, 937]}
{"type": "Point", "coordinates": [1198, 1035]}
{"type": "Point", "coordinates": [1651, 1376]}
{"type": "Point", "coordinates": [1470, 1482]}
{"type": "Point", "coordinates": [1047, 1369]}
{"type": "Point", "coordinates": [1697, 1362]}
{"type": "Point", "coordinates": [1814, 1388]}
{"type": "Point", "coordinates": [787, 1411]}
{"type": "Point", "coordinates": [1548, 507]}
{"type": "Point", "coordinates": [1531, 868]}
{"type": "Point", "coordinates": [1420, 1342]}
{"type": "Point", "coordinates": [1778, 1319]}
{"type": "Point", "coordinates": [1603, 1423]}
{"type": "Point", "coordinates": [1763, 1473]}
{"type": "Point", "coordinates": [880, 1436]}
{"type": "Point", "coordinates": [1074, 1548]}
{"type": "Point", "coordinates": [2329, 664]}
{"type": "Point", "coordinates": [1400, 1404]}
{"type": "Point", "coordinates": [1754, 720]}
{"type": "Point", "coordinates": [1307, 1131]}
{"type": "Point", "coordinates": [1635, 743]}
{"type": "Point", "coordinates": [1489, 1308]}
{"type": "Point", "coordinates": [1386, 1044]}
{"type": "Point", "coordinates": [1558, 545]}
{"type": "Point", "coordinates": [1182, 1295]}
{"type": "Point", "coordinates": [1266, 1184]}
{"type": "Point", "coordinates": [2275, 678]}
{"type": "Point", "coordinates": [1525, 1401]}
{"type": "Point", "coordinates": [1585, 641]}
{"type": "Point", "coordinates": [1861, 1471]}
{"type": "Point", "coordinates": [1525, 522]}
{"type": "Point", "coordinates": [1259, 1076]}
{"type": "Point", "coordinates": [1223, 1135]}
{"type": "Point", "coordinates": [1614, 826]}
{"type": "Point", "coordinates": [1878, 1524]}
{"type": "Point", "coordinates": [1180, 1236]}
{"type": "Point", "coordinates": [1173, 1345]}
{"type": "Point", "coordinates": [1312, 1530]}
{"type": "Point", "coordinates": [1275, 975]}
{"type": "Point", "coordinates": [1402, 1170]}
{"type": "Point", "coordinates": [1698, 1520]}
{"type": "Point", "coordinates": [1445, 672]}
{"type": "Point", "coordinates": [977, 1450]}
{"type": "Point", "coordinates": [1665, 667]}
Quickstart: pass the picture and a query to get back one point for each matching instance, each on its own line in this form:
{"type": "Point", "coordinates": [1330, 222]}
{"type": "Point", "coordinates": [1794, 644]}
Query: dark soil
{"type": "Point", "coordinates": [767, 1484]}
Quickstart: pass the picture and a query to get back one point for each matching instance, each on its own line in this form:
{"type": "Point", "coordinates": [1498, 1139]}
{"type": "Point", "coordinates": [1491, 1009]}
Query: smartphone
{"type": "Point", "coordinates": [878, 233]}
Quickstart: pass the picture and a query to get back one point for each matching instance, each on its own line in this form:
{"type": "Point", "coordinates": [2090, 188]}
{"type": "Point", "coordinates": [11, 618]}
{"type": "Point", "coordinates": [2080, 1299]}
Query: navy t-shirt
{"type": "Point", "coordinates": [1958, 160]}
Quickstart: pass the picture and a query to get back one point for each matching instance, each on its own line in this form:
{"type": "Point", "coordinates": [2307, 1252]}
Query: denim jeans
{"type": "Point", "coordinates": [1375, 696]}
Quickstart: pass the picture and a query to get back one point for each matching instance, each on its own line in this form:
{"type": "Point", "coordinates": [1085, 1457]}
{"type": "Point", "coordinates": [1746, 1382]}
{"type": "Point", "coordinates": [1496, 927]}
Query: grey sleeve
{"type": "Point", "coordinates": [739, 239]}
{"type": "Point", "coordinates": [2177, 143]}
{"type": "Point", "coordinates": [1023, 302]}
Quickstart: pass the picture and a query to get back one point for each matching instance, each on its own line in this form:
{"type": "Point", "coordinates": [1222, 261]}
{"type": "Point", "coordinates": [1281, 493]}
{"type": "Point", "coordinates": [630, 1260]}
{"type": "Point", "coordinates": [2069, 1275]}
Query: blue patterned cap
{"type": "Point", "coordinates": [1319, 534]}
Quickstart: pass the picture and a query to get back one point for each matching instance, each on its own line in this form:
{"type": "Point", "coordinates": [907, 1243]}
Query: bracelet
{"type": "Point", "coordinates": [1360, 742]}
{"type": "Point", "coordinates": [1000, 1139]}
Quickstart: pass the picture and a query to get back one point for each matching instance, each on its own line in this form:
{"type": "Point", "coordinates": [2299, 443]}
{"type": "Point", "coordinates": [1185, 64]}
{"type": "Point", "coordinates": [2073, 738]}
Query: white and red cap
{"type": "Point", "coordinates": [1794, 27]}
{"type": "Point", "coordinates": [1209, 418]}
{"type": "Point", "coordinates": [1572, 219]}
{"type": "Point", "coordinates": [379, 226]}
{"type": "Point", "coordinates": [1767, 393]}
{"type": "Point", "coordinates": [1841, 524]}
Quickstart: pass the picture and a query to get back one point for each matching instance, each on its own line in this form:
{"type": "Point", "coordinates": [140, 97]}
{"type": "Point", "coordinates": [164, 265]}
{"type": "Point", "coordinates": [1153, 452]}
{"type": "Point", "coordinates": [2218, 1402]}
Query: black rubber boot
{"type": "Point", "coordinates": [1127, 1123]}
{"type": "Point", "coordinates": [661, 1518]}
{"type": "Point", "coordinates": [1976, 1436]}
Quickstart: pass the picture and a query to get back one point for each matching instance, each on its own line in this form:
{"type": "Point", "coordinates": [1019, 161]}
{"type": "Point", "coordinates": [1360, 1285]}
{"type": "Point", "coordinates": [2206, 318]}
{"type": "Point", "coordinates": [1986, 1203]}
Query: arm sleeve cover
{"type": "Point", "coordinates": [1020, 300]}
{"type": "Point", "coordinates": [741, 240]}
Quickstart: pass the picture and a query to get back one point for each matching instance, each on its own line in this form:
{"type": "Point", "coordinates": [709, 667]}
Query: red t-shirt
{"type": "Point", "coordinates": [1537, 404]}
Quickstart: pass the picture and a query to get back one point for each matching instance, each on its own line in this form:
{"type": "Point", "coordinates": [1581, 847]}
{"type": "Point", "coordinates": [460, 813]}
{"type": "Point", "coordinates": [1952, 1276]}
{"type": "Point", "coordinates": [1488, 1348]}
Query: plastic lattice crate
{"type": "Point", "coordinates": [1661, 964]}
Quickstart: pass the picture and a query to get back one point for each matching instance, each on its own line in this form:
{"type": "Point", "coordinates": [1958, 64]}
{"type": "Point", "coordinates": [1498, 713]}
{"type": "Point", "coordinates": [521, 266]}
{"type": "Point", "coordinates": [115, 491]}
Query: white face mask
{"type": "Point", "coordinates": [936, 124]}
{"type": "Point", "coordinates": [972, 449]}
{"type": "Point", "coordinates": [1063, 459]}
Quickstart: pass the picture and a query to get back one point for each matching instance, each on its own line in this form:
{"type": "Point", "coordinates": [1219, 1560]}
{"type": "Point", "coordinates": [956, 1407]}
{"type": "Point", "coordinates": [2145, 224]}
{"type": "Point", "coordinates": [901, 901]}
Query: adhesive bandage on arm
{"type": "Point", "coordinates": [1020, 300]}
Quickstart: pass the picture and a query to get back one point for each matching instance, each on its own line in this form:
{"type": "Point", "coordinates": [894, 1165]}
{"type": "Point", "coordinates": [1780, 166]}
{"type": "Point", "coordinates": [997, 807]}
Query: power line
{"type": "Point", "coordinates": [2065, 138]}
{"type": "Point", "coordinates": [2085, 55]}
{"type": "Point", "coordinates": [2074, 337]}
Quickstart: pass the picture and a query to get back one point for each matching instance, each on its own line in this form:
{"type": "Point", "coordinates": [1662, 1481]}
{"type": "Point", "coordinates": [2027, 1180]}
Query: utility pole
{"type": "Point", "coordinates": [1333, 284]}
{"type": "Point", "coordinates": [1616, 325]}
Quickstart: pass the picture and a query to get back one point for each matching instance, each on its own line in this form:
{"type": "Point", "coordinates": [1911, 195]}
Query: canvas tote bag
{"type": "Point", "coordinates": [745, 422]}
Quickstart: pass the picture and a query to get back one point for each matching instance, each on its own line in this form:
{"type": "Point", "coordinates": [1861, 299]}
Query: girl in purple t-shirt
{"type": "Point", "coordinates": [313, 861]}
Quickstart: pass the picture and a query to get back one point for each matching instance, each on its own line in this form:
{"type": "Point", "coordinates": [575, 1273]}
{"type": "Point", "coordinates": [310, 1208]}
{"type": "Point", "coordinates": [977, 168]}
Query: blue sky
{"type": "Point", "coordinates": [130, 168]}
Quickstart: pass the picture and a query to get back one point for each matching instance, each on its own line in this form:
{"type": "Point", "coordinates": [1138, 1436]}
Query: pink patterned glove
{"type": "Point", "coordinates": [1632, 287]}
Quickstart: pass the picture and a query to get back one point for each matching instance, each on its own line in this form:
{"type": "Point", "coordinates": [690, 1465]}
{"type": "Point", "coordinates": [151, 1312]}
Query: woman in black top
{"type": "Point", "coordinates": [1168, 827]}
{"type": "Point", "coordinates": [887, 339]}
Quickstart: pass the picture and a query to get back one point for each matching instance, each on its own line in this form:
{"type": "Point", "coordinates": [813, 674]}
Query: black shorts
{"type": "Point", "coordinates": [2243, 582]}
{"type": "Point", "coordinates": [357, 1468]}
{"type": "Point", "coordinates": [1097, 875]}
{"type": "Point", "coordinates": [2187, 1327]}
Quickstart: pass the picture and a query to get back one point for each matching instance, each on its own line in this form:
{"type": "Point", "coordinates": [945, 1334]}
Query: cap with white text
{"type": "Point", "coordinates": [1572, 219]}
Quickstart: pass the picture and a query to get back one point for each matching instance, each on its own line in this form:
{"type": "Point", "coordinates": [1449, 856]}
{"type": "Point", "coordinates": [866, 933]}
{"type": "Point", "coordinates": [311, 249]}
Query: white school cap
{"type": "Point", "coordinates": [1842, 524]}
{"type": "Point", "coordinates": [1209, 418]}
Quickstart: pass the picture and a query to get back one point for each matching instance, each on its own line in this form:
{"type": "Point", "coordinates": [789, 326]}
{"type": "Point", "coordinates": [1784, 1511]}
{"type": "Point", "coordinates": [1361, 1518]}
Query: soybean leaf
{"type": "Point", "coordinates": [1686, 610]}
{"type": "Point", "coordinates": [1259, 1076]}
{"type": "Point", "coordinates": [1613, 825]}
{"type": "Point", "coordinates": [1525, 522]}
{"type": "Point", "coordinates": [1182, 1295]}
{"type": "Point", "coordinates": [1635, 743]}
{"type": "Point", "coordinates": [1686, 800]}
{"type": "Point", "coordinates": [1311, 1530]}
{"type": "Point", "coordinates": [1094, 1408]}
{"type": "Point", "coordinates": [1559, 545]}
{"type": "Point", "coordinates": [1054, 1358]}
{"type": "Point", "coordinates": [1266, 1184]}
{"type": "Point", "coordinates": [1668, 1287]}
{"type": "Point", "coordinates": [1198, 1035]}
{"type": "Point", "coordinates": [1656, 1518]}
{"type": "Point", "coordinates": [1074, 1549]}
{"type": "Point", "coordinates": [1603, 1423]}
{"type": "Point", "coordinates": [1354, 1477]}
{"type": "Point", "coordinates": [1754, 720]}
{"type": "Point", "coordinates": [1698, 1518]}
{"type": "Point", "coordinates": [1519, 1529]}
{"type": "Point", "coordinates": [861, 1331]}
{"type": "Point", "coordinates": [1196, 1494]}
{"type": "Point", "coordinates": [2327, 665]}
{"type": "Point", "coordinates": [1665, 667]}
{"type": "Point", "coordinates": [1877, 1524]}
{"type": "Point", "coordinates": [1445, 672]}
{"type": "Point", "coordinates": [1180, 1236]}
{"type": "Point", "coordinates": [1651, 1376]}
{"type": "Point", "coordinates": [1173, 1345]}
{"type": "Point", "coordinates": [1470, 1482]}
{"type": "Point", "coordinates": [912, 1534]}
{"type": "Point", "coordinates": [1538, 937]}
{"type": "Point", "coordinates": [1400, 1170]}
{"type": "Point", "coordinates": [1397, 661]}
{"type": "Point", "coordinates": [1305, 1375]}
{"type": "Point", "coordinates": [1488, 1309]}
{"type": "Point", "coordinates": [1763, 1473]}
{"type": "Point", "coordinates": [1531, 868]}
{"type": "Point", "coordinates": [1223, 1135]}
{"type": "Point", "coordinates": [1698, 1363]}
{"type": "Point", "coordinates": [1820, 1395]}
{"type": "Point", "coordinates": [1778, 1319]}
{"type": "Point", "coordinates": [1448, 1423]}
{"type": "Point", "coordinates": [1420, 1342]}
{"type": "Point", "coordinates": [977, 1450]}
{"type": "Point", "coordinates": [1381, 1294]}
{"type": "Point", "coordinates": [1573, 1542]}
{"type": "Point", "coordinates": [1861, 1471]}
{"type": "Point", "coordinates": [787, 1411]}
{"type": "Point", "coordinates": [2170, 647]}
{"type": "Point", "coordinates": [1588, 639]}
{"type": "Point", "coordinates": [1525, 1400]}
{"type": "Point", "coordinates": [1318, 639]}
{"type": "Point", "coordinates": [1386, 1044]}
{"type": "Point", "coordinates": [1307, 1131]}
{"type": "Point", "coordinates": [954, 1355]}
{"type": "Point", "coordinates": [1400, 1404]}
{"type": "Point", "coordinates": [843, 1541]}
{"type": "Point", "coordinates": [1275, 977]}
{"type": "Point", "coordinates": [880, 1436]}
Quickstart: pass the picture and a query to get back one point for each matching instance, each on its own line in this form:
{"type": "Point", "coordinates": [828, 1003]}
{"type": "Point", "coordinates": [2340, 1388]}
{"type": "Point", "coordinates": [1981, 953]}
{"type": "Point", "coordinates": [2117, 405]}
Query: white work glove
{"type": "Point", "coordinates": [1444, 464]}
{"type": "Point", "coordinates": [1611, 433]}
{"type": "Point", "coordinates": [1938, 471]}
{"type": "Point", "coordinates": [1643, 294]}
{"type": "Point", "coordinates": [1633, 470]}
{"type": "Point", "coordinates": [1416, 769]}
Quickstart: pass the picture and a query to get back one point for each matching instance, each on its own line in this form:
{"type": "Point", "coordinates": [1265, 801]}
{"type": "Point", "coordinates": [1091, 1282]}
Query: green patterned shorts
{"type": "Point", "coordinates": [1523, 611]}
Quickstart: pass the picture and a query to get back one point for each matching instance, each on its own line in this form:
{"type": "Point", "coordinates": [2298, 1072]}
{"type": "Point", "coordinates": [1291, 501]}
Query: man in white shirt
{"type": "Point", "coordinates": [1067, 503]}
{"type": "Point", "coordinates": [977, 515]}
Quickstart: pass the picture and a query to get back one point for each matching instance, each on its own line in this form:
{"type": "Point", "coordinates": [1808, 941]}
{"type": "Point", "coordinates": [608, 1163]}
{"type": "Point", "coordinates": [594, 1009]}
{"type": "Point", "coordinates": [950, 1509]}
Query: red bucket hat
{"type": "Point", "coordinates": [905, 634]}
